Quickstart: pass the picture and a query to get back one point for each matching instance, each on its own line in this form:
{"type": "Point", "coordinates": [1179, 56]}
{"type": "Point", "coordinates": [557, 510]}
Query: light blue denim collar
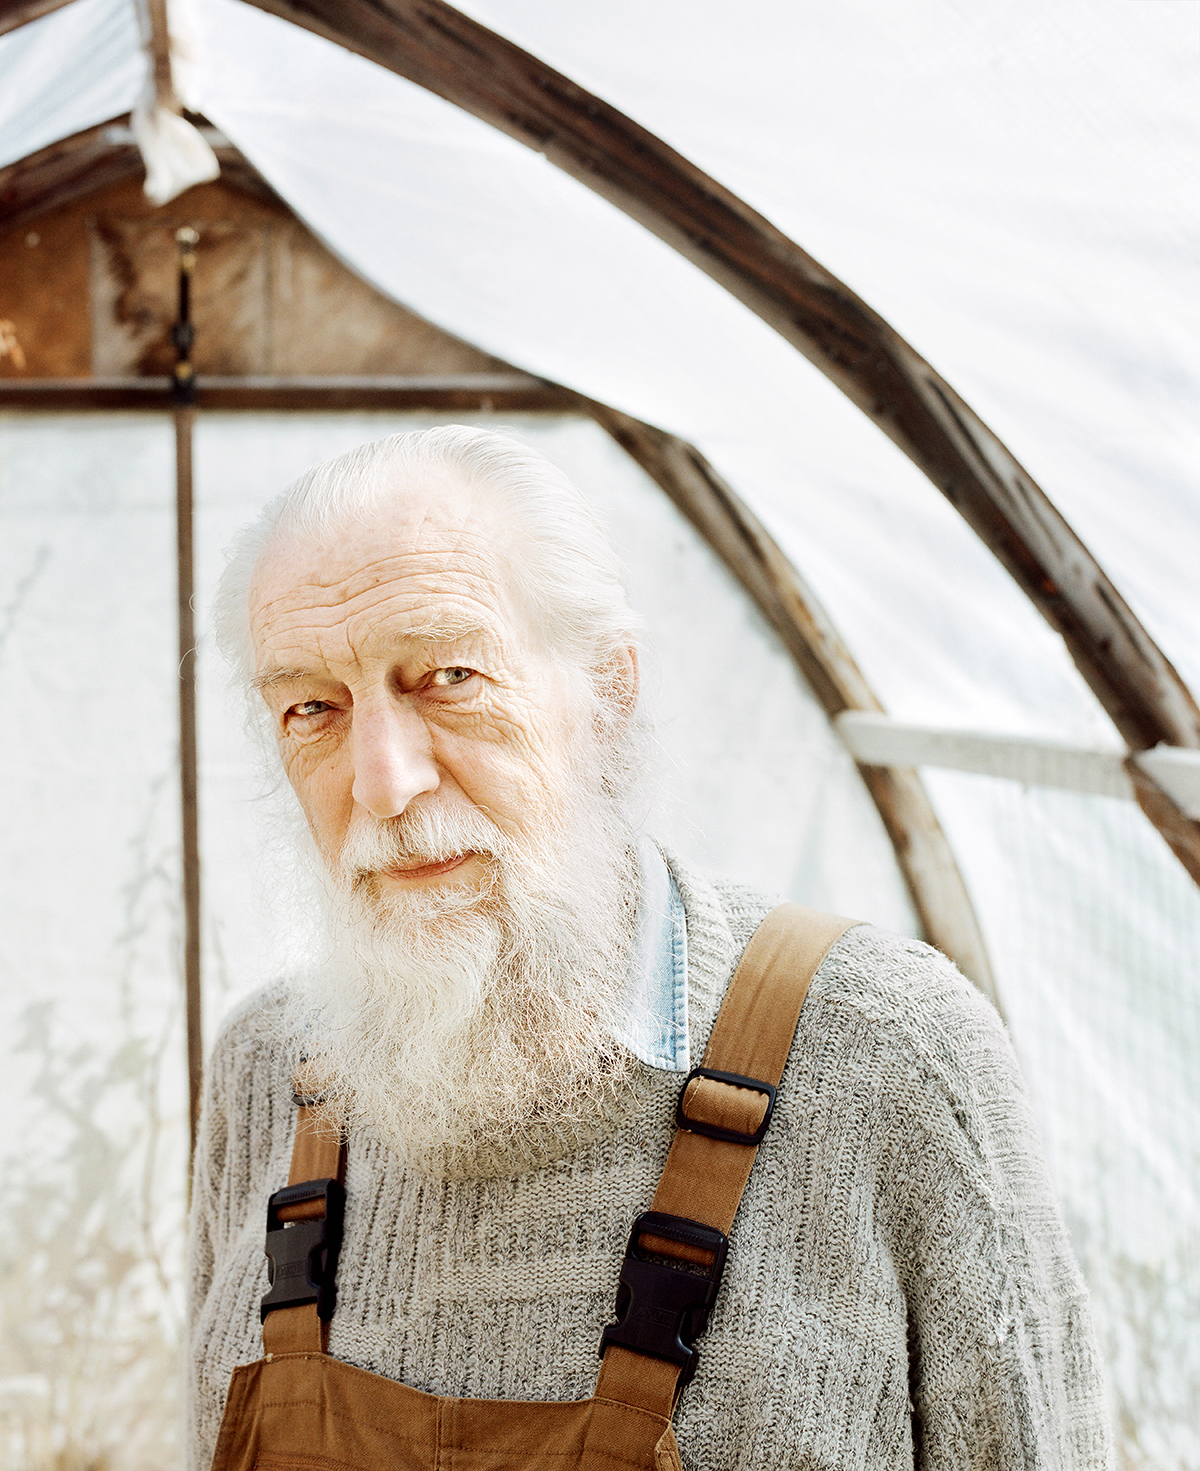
{"type": "Point", "coordinates": [655, 1026]}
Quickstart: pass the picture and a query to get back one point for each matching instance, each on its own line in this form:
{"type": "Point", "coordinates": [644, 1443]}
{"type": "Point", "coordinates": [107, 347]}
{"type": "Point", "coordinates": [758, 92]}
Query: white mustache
{"type": "Point", "coordinates": [420, 834]}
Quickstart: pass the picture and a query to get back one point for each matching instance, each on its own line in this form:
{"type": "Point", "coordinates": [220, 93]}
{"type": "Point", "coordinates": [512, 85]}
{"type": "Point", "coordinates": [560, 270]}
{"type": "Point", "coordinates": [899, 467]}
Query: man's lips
{"type": "Point", "coordinates": [427, 870]}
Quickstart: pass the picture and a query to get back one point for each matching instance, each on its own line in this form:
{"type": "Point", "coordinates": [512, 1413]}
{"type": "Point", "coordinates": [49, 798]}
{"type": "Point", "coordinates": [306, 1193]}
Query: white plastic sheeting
{"type": "Point", "coordinates": [73, 69]}
{"type": "Point", "coordinates": [175, 153]}
{"type": "Point", "coordinates": [1009, 185]}
{"type": "Point", "coordinates": [93, 1089]}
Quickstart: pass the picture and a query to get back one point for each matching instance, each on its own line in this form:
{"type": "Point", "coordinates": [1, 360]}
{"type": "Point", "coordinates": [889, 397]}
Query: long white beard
{"type": "Point", "coordinates": [456, 1017]}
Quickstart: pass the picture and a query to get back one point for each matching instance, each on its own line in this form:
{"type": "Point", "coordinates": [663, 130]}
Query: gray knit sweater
{"type": "Point", "coordinates": [899, 1290]}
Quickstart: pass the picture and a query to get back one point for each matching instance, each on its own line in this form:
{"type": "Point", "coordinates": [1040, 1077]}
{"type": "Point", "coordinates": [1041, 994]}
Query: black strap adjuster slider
{"type": "Point", "coordinates": [714, 1131]}
{"type": "Point", "coordinates": [302, 1255]}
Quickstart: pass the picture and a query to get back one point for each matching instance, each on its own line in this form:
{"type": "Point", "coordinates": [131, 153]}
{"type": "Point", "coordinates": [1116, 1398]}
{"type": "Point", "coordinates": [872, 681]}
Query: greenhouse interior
{"type": "Point", "coordinates": [936, 671]}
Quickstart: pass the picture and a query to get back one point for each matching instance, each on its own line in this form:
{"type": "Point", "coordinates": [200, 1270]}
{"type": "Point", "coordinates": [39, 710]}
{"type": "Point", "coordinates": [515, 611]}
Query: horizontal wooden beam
{"type": "Point", "coordinates": [439, 48]}
{"type": "Point", "coordinates": [738, 537]}
{"type": "Point", "coordinates": [14, 13]}
{"type": "Point", "coordinates": [475, 391]}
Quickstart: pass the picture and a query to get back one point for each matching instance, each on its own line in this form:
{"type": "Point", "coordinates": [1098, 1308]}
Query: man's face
{"type": "Point", "coordinates": [401, 671]}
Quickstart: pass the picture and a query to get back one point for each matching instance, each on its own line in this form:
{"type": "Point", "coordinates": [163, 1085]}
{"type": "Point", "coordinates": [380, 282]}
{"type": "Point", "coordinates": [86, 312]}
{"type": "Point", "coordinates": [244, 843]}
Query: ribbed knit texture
{"type": "Point", "coordinates": [899, 1290]}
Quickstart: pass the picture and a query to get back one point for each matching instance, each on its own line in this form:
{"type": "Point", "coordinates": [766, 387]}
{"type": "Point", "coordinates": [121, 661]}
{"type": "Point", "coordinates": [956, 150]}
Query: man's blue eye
{"type": "Point", "coordinates": [451, 676]}
{"type": "Point", "coordinates": [310, 707]}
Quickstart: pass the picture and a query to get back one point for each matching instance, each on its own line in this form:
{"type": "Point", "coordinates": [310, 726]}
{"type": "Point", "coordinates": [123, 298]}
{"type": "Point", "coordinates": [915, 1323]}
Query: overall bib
{"type": "Point", "coordinates": [298, 1409]}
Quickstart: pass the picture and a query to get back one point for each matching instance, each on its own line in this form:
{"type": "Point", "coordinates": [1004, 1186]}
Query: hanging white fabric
{"type": "Point", "coordinates": [174, 152]}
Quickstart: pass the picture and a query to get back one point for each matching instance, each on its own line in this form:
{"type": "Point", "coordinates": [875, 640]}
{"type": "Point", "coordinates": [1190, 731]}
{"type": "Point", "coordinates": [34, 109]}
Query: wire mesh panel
{"type": "Point", "coordinates": [1094, 929]}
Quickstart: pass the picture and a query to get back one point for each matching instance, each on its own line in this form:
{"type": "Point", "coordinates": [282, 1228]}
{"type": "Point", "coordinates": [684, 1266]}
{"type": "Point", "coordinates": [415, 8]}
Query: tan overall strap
{"type": "Point", "coordinates": [704, 1178]}
{"type": "Point", "coordinates": [318, 1153]}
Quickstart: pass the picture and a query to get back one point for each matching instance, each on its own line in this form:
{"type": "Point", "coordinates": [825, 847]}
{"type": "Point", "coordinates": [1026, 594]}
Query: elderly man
{"type": "Point", "coordinates": [486, 1062]}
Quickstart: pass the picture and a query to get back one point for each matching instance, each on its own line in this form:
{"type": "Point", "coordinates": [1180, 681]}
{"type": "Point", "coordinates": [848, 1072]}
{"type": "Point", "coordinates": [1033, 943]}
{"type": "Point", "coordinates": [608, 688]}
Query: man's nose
{"type": "Point", "coordinates": [392, 755]}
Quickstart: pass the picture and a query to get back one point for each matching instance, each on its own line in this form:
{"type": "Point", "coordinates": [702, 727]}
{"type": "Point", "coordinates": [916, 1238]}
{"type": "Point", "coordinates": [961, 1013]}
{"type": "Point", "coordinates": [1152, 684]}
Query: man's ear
{"type": "Point", "coordinates": [619, 682]}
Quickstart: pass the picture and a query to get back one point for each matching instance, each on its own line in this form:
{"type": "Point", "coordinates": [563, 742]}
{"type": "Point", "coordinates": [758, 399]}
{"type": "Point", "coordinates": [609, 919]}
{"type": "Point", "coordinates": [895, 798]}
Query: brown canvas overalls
{"type": "Point", "coordinates": [297, 1409]}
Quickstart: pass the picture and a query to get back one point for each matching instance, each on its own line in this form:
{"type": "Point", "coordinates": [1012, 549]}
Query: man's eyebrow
{"type": "Point", "coordinates": [447, 628]}
{"type": "Point", "coordinates": [270, 677]}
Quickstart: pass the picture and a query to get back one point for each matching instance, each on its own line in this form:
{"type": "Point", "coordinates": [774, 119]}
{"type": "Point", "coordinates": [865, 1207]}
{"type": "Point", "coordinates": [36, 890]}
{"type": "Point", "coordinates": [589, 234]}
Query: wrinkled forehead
{"type": "Point", "coordinates": [438, 555]}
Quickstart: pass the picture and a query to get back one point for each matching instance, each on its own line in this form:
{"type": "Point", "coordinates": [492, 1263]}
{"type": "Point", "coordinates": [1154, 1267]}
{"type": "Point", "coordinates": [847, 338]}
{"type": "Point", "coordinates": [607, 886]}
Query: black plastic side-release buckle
{"type": "Point", "coordinates": [302, 1255]}
{"type": "Point", "coordinates": [714, 1131]}
{"type": "Point", "coordinates": [662, 1309]}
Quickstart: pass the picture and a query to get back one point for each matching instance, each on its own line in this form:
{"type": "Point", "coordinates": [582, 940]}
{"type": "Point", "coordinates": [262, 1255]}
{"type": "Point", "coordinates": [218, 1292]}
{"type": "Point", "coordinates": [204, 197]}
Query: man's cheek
{"type": "Point", "coordinates": [299, 767]}
{"type": "Point", "coordinates": [323, 784]}
{"type": "Point", "coordinates": [513, 781]}
{"type": "Point", "coordinates": [538, 742]}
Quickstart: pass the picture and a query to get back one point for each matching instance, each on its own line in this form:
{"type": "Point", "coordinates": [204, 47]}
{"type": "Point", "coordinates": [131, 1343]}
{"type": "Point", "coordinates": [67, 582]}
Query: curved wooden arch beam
{"type": "Point", "coordinates": [731, 529]}
{"type": "Point", "coordinates": [68, 169]}
{"type": "Point", "coordinates": [14, 13]}
{"type": "Point", "coordinates": [90, 161]}
{"type": "Point", "coordinates": [460, 60]}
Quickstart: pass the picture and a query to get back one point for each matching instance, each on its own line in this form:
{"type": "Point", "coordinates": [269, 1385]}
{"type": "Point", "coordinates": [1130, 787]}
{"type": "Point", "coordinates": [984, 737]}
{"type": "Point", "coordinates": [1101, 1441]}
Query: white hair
{"type": "Point", "coordinates": [467, 1018]}
{"type": "Point", "coordinates": [567, 571]}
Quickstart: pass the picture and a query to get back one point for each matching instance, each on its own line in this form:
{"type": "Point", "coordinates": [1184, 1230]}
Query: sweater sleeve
{"type": "Point", "coordinates": [208, 1169]}
{"type": "Point", "coordinates": [240, 1139]}
{"type": "Point", "coordinates": [1004, 1372]}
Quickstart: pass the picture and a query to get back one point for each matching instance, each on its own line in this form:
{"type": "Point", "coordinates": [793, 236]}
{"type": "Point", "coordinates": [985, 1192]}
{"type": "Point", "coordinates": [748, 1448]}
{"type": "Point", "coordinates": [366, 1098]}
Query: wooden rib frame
{"type": "Point", "coordinates": [14, 13]}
